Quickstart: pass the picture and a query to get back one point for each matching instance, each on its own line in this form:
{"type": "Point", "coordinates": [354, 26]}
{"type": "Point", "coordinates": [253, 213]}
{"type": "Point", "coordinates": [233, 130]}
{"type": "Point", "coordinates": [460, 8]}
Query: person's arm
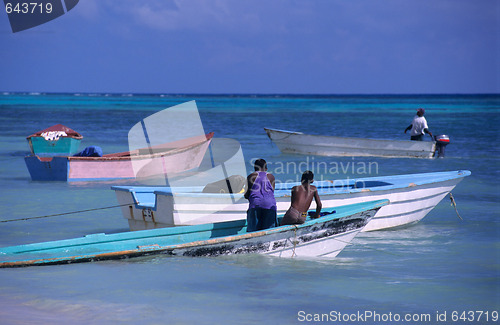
{"type": "Point", "coordinates": [318, 204]}
{"type": "Point", "coordinates": [426, 130]}
{"type": "Point", "coordinates": [293, 195]}
{"type": "Point", "coordinates": [409, 127]}
{"type": "Point", "coordinates": [271, 179]}
{"type": "Point", "coordinates": [250, 180]}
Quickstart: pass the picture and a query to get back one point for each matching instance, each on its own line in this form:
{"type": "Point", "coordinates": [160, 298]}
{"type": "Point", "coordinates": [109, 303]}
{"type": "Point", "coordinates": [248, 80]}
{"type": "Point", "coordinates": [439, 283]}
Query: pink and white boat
{"type": "Point", "coordinates": [168, 158]}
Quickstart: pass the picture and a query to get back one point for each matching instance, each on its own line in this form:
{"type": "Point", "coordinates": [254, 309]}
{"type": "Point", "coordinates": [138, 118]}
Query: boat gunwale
{"type": "Point", "coordinates": [393, 184]}
{"type": "Point", "coordinates": [76, 137]}
{"type": "Point", "coordinates": [166, 189]}
{"type": "Point", "coordinates": [73, 134]}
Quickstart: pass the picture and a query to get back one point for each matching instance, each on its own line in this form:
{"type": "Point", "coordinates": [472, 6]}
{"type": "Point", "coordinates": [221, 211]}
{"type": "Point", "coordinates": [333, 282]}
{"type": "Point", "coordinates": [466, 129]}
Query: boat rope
{"type": "Point", "coordinates": [454, 204]}
{"type": "Point", "coordinates": [294, 241]}
{"type": "Point", "coordinates": [288, 135]}
{"type": "Point", "coordinates": [272, 143]}
{"type": "Point", "coordinates": [65, 213]}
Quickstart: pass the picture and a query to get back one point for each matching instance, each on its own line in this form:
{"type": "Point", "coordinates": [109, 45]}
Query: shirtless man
{"type": "Point", "coordinates": [302, 196]}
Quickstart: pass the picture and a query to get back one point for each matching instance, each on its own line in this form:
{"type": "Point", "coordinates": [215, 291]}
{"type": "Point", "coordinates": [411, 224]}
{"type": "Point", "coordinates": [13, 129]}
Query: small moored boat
{"type": "Point", "coordinates": [322, 237]}
{"type": "Point", "coordinates": [321, 145]}
{"type": "Point", "coordinates": [173, 157]}
{"type": "Point", "coordinates": [55, 140]}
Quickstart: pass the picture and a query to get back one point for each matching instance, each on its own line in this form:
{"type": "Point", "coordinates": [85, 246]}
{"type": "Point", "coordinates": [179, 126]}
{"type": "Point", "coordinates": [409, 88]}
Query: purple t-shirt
{"type": "Point", "coordinates": [262, 193]}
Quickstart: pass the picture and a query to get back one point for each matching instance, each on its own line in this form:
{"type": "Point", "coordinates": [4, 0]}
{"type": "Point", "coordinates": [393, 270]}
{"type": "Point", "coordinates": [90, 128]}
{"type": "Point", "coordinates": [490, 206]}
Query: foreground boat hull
{"type": "Point", "coordinates": [323, 237]}
{"type": "Point", "coordinates": [305, 144]}
{"type": "Point", "coordinates": [326, 239]}
{"type": "Point", "coordinates": [412, 197]}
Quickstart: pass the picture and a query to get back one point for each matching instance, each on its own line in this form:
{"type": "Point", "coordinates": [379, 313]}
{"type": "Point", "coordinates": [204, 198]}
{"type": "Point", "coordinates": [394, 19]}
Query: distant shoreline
{"type": "Point", "coordinates": [249, 95]}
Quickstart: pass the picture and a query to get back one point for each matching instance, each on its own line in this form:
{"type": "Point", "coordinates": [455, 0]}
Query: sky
{"type": "Point", "coordinates": [258, 47]}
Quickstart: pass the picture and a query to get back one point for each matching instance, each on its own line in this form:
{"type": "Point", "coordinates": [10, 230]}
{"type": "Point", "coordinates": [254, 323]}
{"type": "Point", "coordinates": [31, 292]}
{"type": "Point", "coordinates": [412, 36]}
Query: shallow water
{"type": "Point", "coordinates": [442, 264]}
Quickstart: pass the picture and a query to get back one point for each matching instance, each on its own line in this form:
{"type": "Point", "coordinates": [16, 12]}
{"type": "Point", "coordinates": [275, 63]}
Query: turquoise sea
{"type": "Point", "coordinates": [443, 270]}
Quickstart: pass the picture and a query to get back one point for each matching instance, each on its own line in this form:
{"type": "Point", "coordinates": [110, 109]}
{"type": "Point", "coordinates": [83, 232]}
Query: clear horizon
{"type": "Point", "coordinates": [242, 94]}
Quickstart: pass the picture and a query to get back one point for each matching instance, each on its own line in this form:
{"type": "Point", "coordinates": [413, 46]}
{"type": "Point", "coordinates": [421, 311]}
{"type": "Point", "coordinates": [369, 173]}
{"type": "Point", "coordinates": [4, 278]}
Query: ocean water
{"type": "Point", "coordinates": [442, 270]}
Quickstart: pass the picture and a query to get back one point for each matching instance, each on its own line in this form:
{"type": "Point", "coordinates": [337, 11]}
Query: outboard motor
{"type": "Point", "coordinates": [441, 142]}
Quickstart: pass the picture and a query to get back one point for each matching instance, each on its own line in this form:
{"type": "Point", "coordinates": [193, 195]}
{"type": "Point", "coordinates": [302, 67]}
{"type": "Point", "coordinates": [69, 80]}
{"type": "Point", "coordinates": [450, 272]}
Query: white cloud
{"type": "Point", "coordinates": [179, 14]}
{"type": "Point", "coordinates": [88, 9]}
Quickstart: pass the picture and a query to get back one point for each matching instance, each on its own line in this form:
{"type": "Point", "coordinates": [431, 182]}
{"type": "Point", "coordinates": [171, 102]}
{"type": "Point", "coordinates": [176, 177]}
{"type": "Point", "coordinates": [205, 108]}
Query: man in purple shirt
{"type": "Point", "coordinates": [261, 213]}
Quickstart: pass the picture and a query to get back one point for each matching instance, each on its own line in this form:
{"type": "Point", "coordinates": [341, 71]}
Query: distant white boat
{"type": "Point", "coordinates": [411, 198]}
{"type": "Point", "coordinates": [306, 144]}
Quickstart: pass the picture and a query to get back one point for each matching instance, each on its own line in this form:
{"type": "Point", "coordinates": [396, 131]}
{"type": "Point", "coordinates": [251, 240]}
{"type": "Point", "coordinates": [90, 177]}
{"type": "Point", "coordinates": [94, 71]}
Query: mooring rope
{"type": "Point", "coordinates": [65, 213]}
{"type": "Point", "coordinates": [294, 241]}
{"type": "Point", "coordinates": [454, 204]}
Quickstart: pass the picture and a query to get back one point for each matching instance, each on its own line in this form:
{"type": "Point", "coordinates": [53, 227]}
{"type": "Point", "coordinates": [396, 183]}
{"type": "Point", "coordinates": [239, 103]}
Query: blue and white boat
{"type": "Point", "coordinates": [412, 197]}
{"type": "Point", "coordinates": [322, 237]}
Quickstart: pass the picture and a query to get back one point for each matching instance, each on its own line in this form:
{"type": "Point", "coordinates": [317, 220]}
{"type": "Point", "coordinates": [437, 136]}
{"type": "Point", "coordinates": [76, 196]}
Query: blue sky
{"type": "Point", "coordinates": [278, 46]}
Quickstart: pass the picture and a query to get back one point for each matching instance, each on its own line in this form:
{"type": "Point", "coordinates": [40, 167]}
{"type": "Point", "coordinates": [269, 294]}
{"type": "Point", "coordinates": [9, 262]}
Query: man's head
{"type": "Point", "coordinates": [260, 165]}
{"type": "Point", "coordinates": [307, 177]}
{"type": "Point", "coordinates": [420, 112]}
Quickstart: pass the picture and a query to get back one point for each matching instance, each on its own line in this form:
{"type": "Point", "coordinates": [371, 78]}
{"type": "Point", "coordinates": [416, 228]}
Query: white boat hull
{"type": "Point", "coordinates": [300, 143]}
{"type": "Point", "coordinates": [325, 247]}
{"type": "Point", "coordinates": [321, 240]}
{"type": "Point", "coordinates": [410, 201]}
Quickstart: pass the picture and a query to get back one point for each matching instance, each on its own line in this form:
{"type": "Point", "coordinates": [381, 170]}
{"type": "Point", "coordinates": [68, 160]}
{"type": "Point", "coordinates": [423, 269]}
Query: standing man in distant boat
{"type": "Point", "coordinates": [261, 213]}
{"type": "Point", "coordinates": [419, 126]}
{"type": "Point", "coordinates": [302, 196]}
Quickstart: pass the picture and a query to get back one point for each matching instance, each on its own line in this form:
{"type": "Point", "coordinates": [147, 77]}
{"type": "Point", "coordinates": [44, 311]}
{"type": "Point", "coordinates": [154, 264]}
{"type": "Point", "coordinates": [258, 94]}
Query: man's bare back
{"type": "Point", "coordinates": [302, 196]}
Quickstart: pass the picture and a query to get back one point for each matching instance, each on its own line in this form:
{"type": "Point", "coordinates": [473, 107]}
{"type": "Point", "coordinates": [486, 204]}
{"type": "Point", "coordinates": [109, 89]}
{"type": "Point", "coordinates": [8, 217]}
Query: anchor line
{"type": "Point", "coordinates": [271, 140]}
{"type": "Point", "coordinates": [65, 213]}
{"type": "Point", "coordinates": [454, 204]}
{"type": "Point", "coordinates": [294, 241]}
{"type": "Point", "coordinates": [285, 137]}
